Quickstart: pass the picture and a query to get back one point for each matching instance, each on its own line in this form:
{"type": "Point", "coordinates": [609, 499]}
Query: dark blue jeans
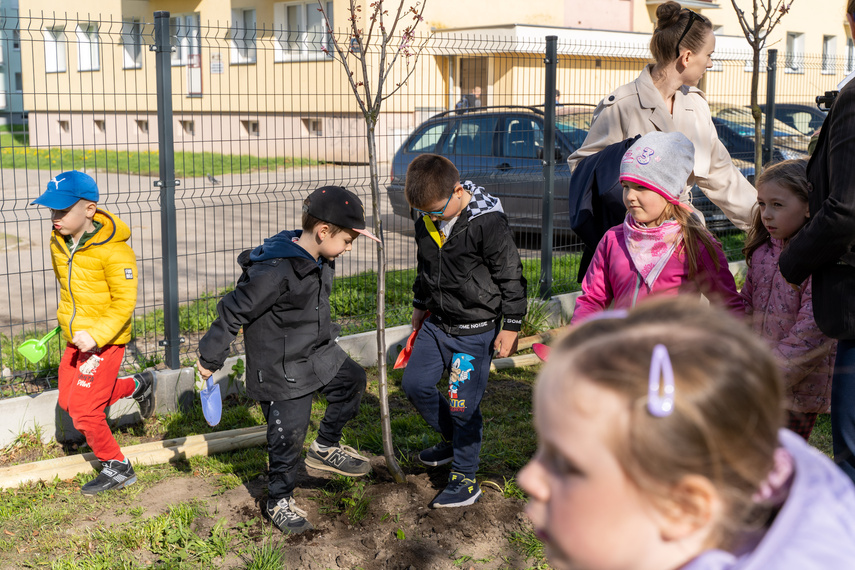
{"type": "Point", "coordinates": [843, 407]}
{"type": "Point", "coordinates": [288, 422]}
{"type": "Point", "coordinates": [457, 417]}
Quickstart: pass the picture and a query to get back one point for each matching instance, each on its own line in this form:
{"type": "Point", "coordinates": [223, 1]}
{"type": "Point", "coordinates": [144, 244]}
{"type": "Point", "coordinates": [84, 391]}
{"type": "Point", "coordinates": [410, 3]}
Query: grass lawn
{"type": "Point", "coordinates": [52, 525]}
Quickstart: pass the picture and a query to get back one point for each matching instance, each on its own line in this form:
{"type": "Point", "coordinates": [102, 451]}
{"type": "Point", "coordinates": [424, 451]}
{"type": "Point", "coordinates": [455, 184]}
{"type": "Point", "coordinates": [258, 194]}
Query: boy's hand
{"type": "Point", "coordinates": [506, 343]}
{"type": "Point", "coordinates": [204, 372]}
{"type": "Point", "coordinates": [418, 318]}
{"type": "Point", "coordinates": [83, 341]}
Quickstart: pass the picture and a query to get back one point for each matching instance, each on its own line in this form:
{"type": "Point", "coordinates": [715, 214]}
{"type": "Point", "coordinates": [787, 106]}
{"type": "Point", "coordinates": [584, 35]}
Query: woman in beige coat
{"type": "Point", "coordinates": [665, 98]}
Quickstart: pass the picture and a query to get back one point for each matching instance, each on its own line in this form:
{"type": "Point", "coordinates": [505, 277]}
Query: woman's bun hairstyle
{"type": "Point", "coordinates": [671, 22]}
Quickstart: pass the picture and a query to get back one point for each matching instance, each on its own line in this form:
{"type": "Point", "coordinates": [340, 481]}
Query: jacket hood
{"type": "Point", "coordinates": [481, 202]}
{"type": "Point", "coordinates": [281, 245]}
{"type": "Point", "coordinates": [113, 229]}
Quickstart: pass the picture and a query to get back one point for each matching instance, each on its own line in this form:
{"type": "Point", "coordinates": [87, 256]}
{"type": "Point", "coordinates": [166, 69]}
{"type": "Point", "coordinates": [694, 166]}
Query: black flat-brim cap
{"type": "Point", "coordinates": [338, 205]}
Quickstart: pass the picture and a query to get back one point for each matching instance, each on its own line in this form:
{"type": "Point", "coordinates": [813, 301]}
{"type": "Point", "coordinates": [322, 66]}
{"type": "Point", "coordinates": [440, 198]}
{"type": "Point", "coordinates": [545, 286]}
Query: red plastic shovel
{"type": "Point", "coordinates": [541, 350]}
{"type": "Point", "coordinates": [404, 357]}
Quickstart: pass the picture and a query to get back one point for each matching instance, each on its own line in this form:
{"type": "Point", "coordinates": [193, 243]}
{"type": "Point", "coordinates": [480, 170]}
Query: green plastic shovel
{"type": "Point", "coordinates": [35, 349]}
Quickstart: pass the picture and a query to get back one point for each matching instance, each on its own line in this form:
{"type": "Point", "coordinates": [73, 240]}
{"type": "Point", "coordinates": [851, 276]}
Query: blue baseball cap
{"type": "Point", "coordinates": [66, 189]}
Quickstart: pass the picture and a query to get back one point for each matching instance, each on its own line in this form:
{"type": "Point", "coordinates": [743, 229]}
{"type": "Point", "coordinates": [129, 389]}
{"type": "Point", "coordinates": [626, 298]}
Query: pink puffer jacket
{"type": "Point", "coordinates": [784, 317]}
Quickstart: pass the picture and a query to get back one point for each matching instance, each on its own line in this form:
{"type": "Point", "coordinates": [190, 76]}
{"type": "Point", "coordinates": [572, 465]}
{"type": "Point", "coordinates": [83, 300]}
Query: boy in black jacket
{"type": "Point", "coordinates": [282, 302]}
{"type": "Point", "coordinates": [469, 276]}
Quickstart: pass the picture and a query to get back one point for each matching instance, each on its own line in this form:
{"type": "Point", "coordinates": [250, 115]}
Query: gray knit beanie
{"type": "Point", "coordinates": [660, 162]}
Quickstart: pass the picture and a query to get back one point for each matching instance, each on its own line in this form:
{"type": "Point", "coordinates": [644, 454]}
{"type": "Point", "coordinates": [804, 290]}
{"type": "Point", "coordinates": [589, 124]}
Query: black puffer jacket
{"type": "Point", "coordinates": [475, 277]}
{"type": "Point", "coordinates": [282, 302]}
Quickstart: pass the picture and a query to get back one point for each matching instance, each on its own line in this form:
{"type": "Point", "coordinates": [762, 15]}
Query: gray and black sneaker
{"type": "Point", "coordinates": [145, 393]}
{"type": "Point", "coordinates": [342, 459]}
{"type": "Point", "coordinates": [439, 454]}
{"type": "Point", "coordinates": [285, 516]}
{"type": "Point", "coordinates": [460, 492]}
{"type": "Point", "coordinates": [115, 474]}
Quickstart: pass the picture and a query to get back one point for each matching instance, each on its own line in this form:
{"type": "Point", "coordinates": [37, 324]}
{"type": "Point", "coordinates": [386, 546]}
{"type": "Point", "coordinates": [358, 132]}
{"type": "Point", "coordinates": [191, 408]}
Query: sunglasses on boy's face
{"type": "Point", "coordinates": [437, 212]}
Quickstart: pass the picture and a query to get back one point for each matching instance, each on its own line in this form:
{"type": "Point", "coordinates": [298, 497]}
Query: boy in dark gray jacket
{"type": "Point", "coordinates": [282, 302]}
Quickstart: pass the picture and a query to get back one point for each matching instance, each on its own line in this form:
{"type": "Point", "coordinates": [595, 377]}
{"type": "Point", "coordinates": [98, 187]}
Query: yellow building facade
{"type": "Point", "coordinates": [253, 76]}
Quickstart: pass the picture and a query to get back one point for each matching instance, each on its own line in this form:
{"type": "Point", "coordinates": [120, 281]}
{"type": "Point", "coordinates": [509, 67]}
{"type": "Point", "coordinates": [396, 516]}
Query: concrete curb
{"type": "Point", "coordinates": [176, 388]}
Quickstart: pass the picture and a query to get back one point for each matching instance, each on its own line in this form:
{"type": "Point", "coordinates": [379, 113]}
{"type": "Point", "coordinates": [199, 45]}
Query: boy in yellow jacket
{"type": "Point", "coordinates": [97, 273]}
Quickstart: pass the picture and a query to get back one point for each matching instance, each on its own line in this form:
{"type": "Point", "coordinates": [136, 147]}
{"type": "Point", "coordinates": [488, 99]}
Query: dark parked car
{"type": "Point", "coordinates": [804, 118]}
{"type": "Point", "coordinates": [502, 149]}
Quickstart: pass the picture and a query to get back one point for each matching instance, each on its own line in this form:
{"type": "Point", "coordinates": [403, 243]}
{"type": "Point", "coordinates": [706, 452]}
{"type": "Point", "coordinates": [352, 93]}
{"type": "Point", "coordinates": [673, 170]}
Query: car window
{"type": "Point", "coordinates": [472, 136]}
{"type": "Point", "coordinates": [800, 120]}
{"type": "Point", "coordinates": [426, 139]}
{"type": "Point", "coordinates": [522, 137]}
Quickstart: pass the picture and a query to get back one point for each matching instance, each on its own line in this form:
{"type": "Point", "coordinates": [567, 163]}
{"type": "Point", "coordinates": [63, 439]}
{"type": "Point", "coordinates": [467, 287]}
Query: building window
{"type": "Point", "coordinates": [300, 31]}
{"type": "Point", "coordinates": [142, 126]}
{"type": "Point", "coordinates": [794, 60]}
{"type": "Point", "coordinates": [63, 126]}
{"type": "Point", "coordinates": [314, 127]}
{"type": "Point", "coordinates": [243, 36]}
{"type": "Point", "coordinates": [16, 39]}
{"type": "Point", "coordinates": [184, 31]}
{"type": "Point", "coordinates": [101, 125]}
{"type": "Point", "coordinates": [88, 57]}
{"type": "Point", "coordinates": [250, 128]}
{"type": "Point", "coordinates": [19, 82]}
{"type": "Point", "coordinates": [829, 54]}
{"type": "Point", "coordinates": [188, 127]}
{"type": "Point", "coordinates": [54, 49]}
{"type": "Point", "coordinates": [132, 43]}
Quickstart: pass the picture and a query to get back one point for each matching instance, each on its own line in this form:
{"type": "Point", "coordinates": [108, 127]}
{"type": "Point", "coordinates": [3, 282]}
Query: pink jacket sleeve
{"type": "Point", "coordinates": [805, 347]}
{"type": "Point", "coordinates": [596, 289]}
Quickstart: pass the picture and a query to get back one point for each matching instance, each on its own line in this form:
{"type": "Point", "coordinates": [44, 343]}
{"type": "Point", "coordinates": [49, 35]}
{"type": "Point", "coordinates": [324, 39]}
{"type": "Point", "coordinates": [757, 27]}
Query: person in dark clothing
{"type": "Point", "coordinates": [282, 302]}
{"type": "Point", "coordinates": [469, 276]}
{"type": "Point", "coordinates": [823, 250]}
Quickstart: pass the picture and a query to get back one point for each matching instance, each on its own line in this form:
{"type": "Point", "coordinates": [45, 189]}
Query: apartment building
{"type": "Point", "coordinates": [256, 76]}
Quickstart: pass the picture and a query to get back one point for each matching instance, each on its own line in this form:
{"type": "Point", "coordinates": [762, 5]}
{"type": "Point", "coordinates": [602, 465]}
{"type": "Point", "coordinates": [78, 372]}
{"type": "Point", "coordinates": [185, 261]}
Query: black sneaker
{"type": "Point", "coordinates": [285, 516]}
{"type": "Point", "coordinates": [114, 475]}
{"type": "Point", "coordinates": [343, 460]}
{"type": "Point", "coordinates": [145, 393]}
{"type": "Point", "coordinates": [459, 492]}
{"type": "Point", "coordinates": [439, 454]}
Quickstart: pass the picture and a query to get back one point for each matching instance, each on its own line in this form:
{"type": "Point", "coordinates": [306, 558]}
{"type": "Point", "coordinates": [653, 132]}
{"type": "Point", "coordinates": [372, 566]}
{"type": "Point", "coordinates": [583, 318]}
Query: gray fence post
{"type": "Point", "coordinates": [167, 183]}
{"type": "Point", "coordinates": [551, 62]}
{"type": "Point", "coordinates": [771, 77]}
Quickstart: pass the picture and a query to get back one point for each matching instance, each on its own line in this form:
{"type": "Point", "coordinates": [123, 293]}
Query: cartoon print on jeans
{"type": "Point", "coordinates": [461, 370]}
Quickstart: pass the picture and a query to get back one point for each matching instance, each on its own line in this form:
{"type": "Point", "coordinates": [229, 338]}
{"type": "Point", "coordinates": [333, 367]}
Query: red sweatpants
{"type": "Point", "coordinates": [87, 385]}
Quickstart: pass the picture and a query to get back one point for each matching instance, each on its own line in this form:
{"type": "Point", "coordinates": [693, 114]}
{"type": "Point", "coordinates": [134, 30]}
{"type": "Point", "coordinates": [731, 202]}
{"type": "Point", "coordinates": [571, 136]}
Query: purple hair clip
{"type": "Point", "coordinates": [660, 391]}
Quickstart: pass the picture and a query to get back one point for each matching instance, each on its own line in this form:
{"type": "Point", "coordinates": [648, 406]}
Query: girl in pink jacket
{"type": "Point", "coordinates": [780, 312]}
{"type": "Point", "coordinates": [661, 248]}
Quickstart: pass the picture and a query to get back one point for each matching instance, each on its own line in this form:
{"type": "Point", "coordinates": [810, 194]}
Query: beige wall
{"type": "Point", "coordinates": [810, 17]}
{"type": "Point", "coordinates": [283, 98]}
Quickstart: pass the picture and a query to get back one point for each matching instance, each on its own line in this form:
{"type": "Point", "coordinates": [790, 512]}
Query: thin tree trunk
{"type": "Point", "coordinates": [757, 114]}
{"type": "Point", "coordinates": [385, 419]}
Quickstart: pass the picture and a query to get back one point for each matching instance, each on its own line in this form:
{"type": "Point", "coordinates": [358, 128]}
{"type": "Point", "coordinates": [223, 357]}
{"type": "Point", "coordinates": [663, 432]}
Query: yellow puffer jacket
{"type": "Point", "coordinates": [98, 283]}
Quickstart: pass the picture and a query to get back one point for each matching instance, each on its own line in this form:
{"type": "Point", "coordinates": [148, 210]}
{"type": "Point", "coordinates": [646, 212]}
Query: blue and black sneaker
{"type": "Point", "coordinates": [439, 454]}
{"type": "Point", "coordinates": [459, 492]}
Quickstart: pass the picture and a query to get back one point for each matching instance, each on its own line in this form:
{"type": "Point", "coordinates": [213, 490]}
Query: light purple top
{"type": "Point", "coordinates": [815, 529]}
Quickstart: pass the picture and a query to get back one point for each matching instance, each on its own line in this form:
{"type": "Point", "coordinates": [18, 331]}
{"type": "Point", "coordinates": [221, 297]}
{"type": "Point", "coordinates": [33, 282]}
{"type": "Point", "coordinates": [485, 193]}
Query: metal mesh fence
{"type": "Point", "coordinates": [261, 117]}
